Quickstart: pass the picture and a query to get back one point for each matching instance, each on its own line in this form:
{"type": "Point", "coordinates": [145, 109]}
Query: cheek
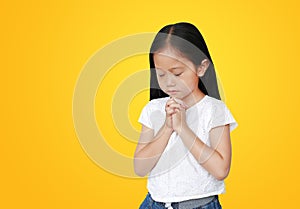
{"type": "Point", "coordinates": [189, 82]}
{"type": "Point", "coordinates": [160, 82]}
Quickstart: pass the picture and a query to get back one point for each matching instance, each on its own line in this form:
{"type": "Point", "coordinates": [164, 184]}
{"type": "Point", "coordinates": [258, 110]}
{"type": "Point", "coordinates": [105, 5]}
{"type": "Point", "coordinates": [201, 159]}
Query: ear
{"type": "Point", "coordinates": [203, 67]}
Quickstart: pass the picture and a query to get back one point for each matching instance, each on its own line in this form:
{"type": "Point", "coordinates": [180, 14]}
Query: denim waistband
{"type": "Point", "coordinates": [188, 203]}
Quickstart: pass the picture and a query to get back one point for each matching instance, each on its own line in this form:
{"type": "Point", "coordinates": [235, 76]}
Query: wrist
{"type": "Point", "coordinates": [168, 129]}
{"type": "Point", "coordinates": [183, 128]}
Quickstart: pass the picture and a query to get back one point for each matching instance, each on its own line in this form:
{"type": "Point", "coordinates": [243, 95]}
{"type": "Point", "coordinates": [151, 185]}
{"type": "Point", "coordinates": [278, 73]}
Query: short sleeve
{"type": "Point", "coordinates": [221, 115]}
{"type": "Point", "coordinates": [145, 116]}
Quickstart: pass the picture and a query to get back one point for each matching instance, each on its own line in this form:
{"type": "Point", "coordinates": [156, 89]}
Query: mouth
{"type": "Point", "coordinates": [172, 91]}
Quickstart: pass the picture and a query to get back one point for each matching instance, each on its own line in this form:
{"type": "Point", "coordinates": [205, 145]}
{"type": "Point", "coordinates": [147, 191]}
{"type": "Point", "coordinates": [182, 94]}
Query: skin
{"type": "Point", "coordinates": [178, 77]}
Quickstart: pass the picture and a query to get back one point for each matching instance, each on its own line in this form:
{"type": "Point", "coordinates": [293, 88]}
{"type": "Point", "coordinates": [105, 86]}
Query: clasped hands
{"type": "Point", "coordinates": [175, 114]}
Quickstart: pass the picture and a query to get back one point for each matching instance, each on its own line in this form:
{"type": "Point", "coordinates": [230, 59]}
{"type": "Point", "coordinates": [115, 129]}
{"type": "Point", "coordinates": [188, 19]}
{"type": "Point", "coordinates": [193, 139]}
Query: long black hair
{"type": "Point", "coordinates": [188, 41]}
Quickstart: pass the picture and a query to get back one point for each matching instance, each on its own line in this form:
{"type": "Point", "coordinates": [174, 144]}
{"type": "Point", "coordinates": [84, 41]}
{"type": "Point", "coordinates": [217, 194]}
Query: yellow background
{"type": "Point", "coordinates": [45, 44]}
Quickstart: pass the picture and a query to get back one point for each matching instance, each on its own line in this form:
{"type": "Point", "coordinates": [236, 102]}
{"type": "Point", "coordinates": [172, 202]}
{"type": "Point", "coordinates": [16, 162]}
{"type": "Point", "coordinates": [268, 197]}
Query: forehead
{"type": "Point", "coordinates": [170, 58]}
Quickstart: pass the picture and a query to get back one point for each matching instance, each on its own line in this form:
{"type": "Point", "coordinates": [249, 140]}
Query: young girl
{"type": "Point", "coordinates": [184, 143]}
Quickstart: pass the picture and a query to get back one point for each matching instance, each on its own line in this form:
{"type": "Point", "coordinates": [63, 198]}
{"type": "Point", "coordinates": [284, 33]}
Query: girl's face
{"type": "Point", "coordinates": [177, 76]}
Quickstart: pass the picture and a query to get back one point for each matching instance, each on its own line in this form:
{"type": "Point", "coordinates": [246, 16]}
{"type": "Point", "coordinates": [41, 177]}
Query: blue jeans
{"type": "Point", "coordinates": [149, 203]}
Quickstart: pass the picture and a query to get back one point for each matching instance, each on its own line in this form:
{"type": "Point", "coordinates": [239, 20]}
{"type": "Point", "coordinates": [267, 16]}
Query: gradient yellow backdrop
{"type": "Point", "coordinates": [44, 46]}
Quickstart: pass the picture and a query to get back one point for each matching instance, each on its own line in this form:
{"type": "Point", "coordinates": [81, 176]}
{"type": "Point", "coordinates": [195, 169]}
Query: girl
{"type": "Point", "coordinates": [184, 143]}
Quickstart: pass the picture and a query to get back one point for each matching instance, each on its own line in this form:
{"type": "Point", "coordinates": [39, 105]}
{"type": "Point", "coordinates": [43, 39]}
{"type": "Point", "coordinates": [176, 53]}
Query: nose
{"type": "Point", "coordinates": [170, 80]}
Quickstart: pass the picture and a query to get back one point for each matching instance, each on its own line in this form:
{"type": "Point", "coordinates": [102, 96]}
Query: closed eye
{"type": "Point", "coordinates": [177, 74]}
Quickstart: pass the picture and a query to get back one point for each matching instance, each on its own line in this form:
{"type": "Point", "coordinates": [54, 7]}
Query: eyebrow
{"type": "Point", "coordinates": [172, 68]}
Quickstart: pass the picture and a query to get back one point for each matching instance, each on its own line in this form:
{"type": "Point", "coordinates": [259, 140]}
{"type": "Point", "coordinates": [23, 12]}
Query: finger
{"type": "Point", "coordinates": [175, 105]}
{"type": "Point", "coordinates": [170, 111]}
{"type": "Point", "coordinates": [179, 101]}
{"type": "Point", "coordinates": [169, 102]}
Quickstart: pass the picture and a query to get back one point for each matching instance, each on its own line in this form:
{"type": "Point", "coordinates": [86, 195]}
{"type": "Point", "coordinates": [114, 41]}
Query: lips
{"type": "Point", "coordinates": [172, 91]}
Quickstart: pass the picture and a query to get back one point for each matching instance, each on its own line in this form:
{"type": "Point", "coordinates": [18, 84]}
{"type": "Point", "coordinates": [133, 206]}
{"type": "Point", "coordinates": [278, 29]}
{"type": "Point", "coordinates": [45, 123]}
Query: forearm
{"type": "Point", "coordinates": [206, 156]}
{"type": "Point", "coordinates": [146, 158]}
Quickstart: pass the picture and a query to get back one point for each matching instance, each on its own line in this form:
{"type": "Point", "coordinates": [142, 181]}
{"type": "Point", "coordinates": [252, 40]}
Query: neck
{"type": "Point", "coordinates": [193, 98]}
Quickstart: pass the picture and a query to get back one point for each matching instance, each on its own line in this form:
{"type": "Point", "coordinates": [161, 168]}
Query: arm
{"type": "Point", "coordinates": [216, 159]}
{"type": "Point", "coordinates": [150, 148]}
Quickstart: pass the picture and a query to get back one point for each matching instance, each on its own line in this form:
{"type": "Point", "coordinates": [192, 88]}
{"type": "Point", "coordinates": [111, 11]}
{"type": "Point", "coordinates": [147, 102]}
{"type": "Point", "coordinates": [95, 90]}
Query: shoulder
{"type": "Point", "coordinates": [213, 103]}
{"type": "Point", "coordinates": [159, 100]}
{"type": "Point", "coordinates": [220, 114]}
{"type": "Point", "coordinates": [215, 107]}
{"type": "Point", "coordinates": [157, 103]}
{"type": "Point", "coordinates": [153, 112]}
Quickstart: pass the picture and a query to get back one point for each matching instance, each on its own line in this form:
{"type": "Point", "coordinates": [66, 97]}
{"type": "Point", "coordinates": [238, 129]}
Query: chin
{"type": "Point", "coordinates": [177, 96]}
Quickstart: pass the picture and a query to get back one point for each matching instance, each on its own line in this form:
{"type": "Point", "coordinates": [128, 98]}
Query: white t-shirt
{"type": "Point", "coordinates": [177, 175]}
